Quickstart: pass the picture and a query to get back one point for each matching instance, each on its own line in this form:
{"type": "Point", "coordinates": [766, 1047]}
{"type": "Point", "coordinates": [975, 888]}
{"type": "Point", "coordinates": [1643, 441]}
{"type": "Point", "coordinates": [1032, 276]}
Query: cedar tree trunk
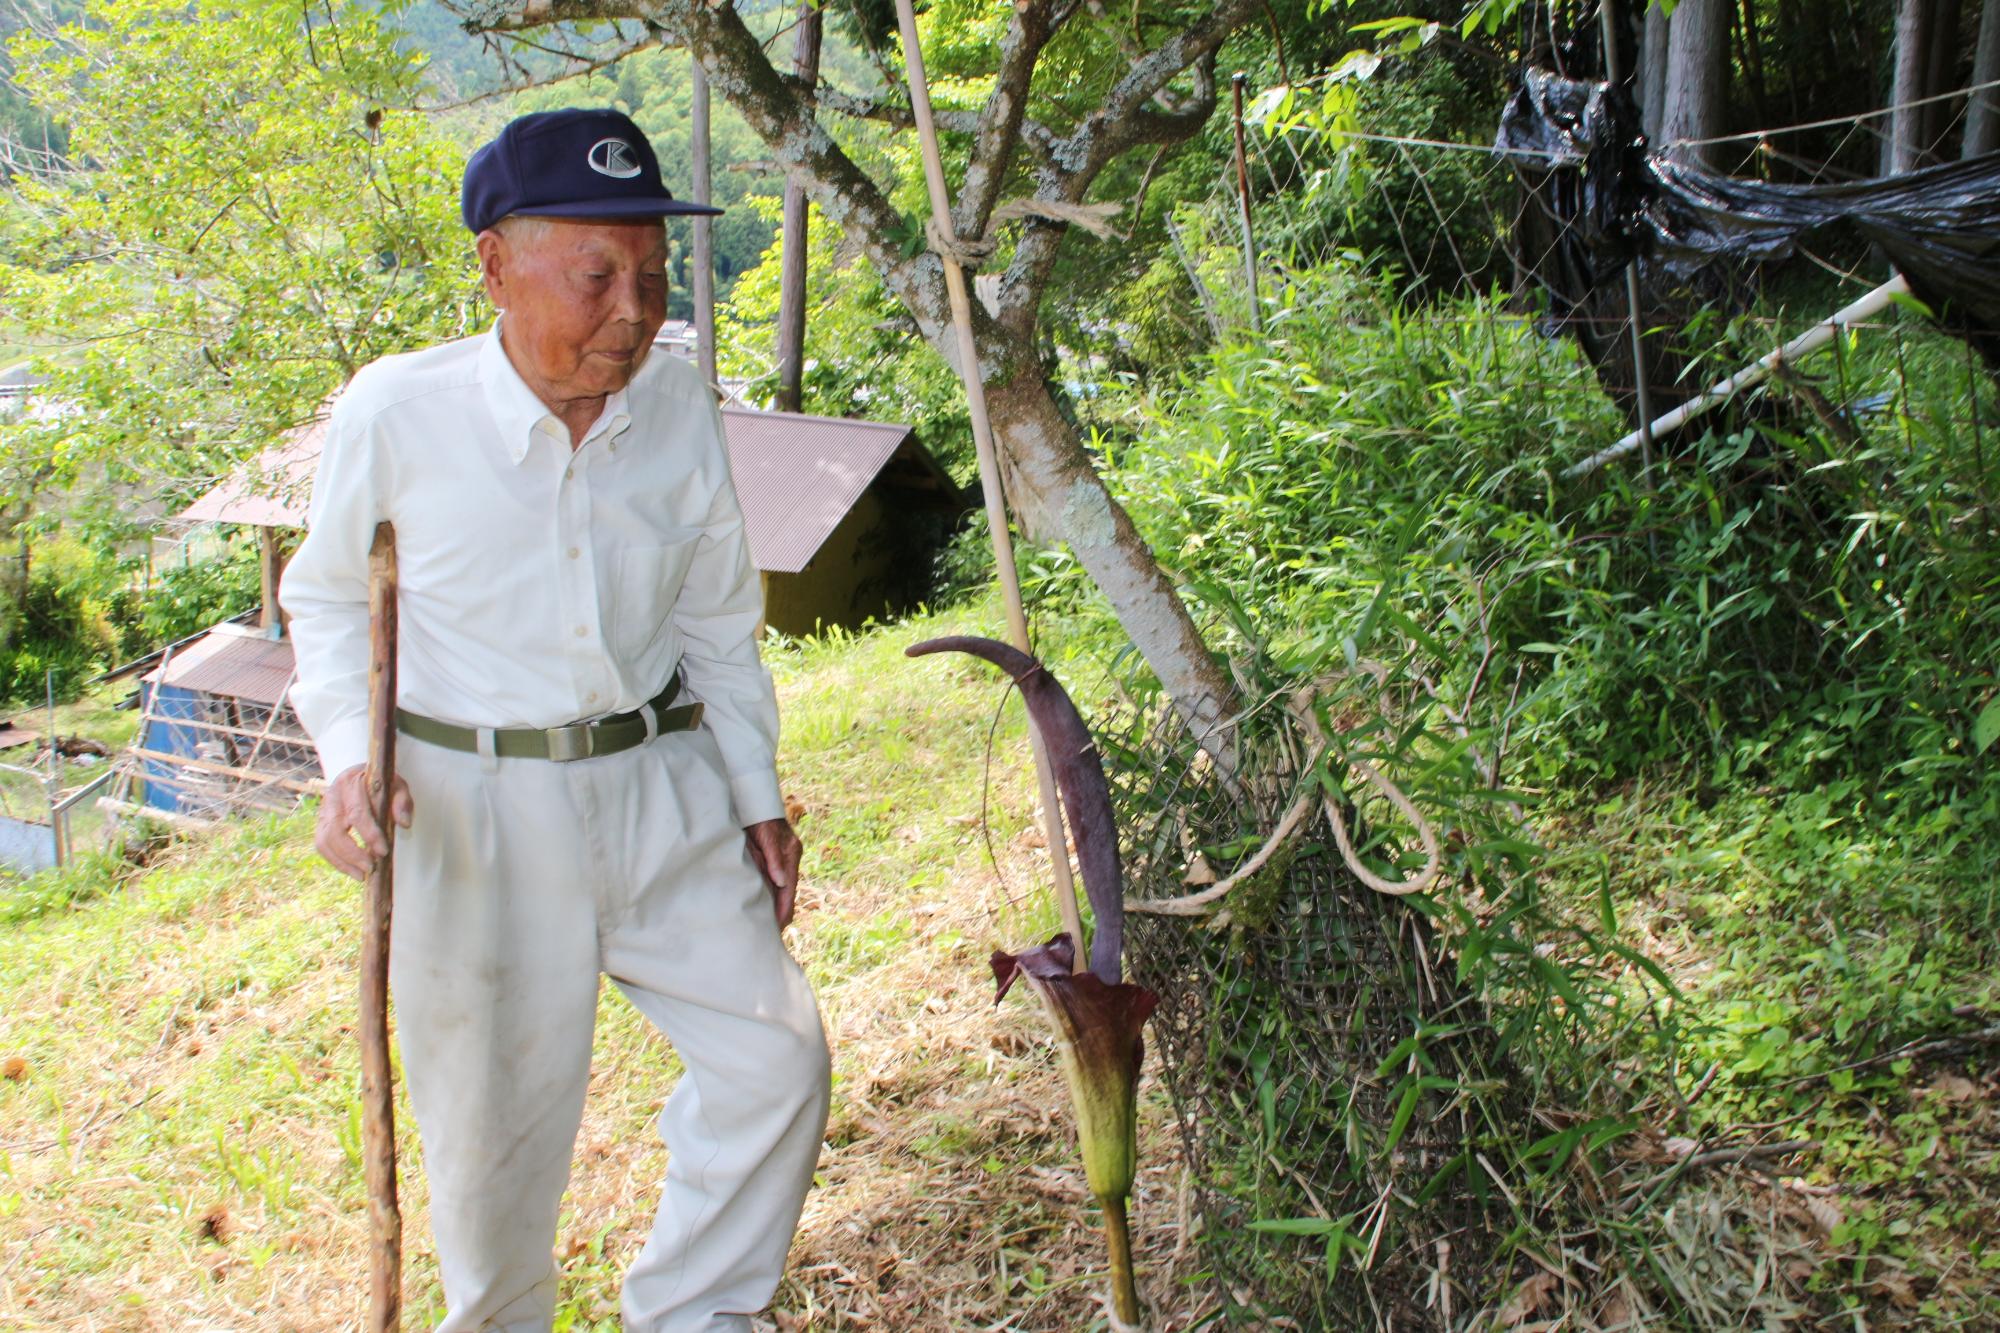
{"type": "Point", "coordinates": [1697, 79]}
{"type": "Point", "coordinates": [1982, 118]}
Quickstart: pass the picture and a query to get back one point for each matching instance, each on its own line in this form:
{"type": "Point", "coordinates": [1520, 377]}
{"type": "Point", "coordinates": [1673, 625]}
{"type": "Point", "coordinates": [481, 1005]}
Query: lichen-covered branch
{"type": "Point", "coordinates": [999, 127]}
{"type": "Point", "coordinates": [892, 110]}
{"type": "Point", "coordinates": [1069, 170]}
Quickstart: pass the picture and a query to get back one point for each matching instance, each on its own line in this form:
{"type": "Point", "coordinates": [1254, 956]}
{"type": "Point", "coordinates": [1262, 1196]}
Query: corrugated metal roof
{"type": "Point", "coordinates": [270, 493]}
{"type": "Point", "coordinates": [796, 476]}
{"type": "Point", "coordinates": [234, 665]}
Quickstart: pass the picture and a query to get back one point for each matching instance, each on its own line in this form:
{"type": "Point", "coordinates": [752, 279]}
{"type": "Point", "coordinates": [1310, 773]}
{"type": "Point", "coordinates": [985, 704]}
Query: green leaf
{"type": "Point", "coordinates": [1401, 1120]}
{"type": "Point", "coordinates": [1912, 304]}
{"type": "Point", "coordinates": [1986, 729]}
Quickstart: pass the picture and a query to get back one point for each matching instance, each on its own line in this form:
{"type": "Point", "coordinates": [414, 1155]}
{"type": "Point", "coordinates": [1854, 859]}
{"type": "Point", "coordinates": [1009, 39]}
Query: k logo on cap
{"type": "Point", "coordinates": [614, 157]}
{"type": "Point", "coordinates": [572, 163]}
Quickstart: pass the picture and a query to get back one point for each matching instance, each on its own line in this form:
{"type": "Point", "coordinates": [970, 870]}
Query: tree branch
{"type": "Point", "coordinates": [999, 125]}
{"type": "Point", "coordinates": [891, 111]}
{"type": "Point", "coordinates": [1110, 128]}
{"type": "Point", "coordinates": [1086, 151]}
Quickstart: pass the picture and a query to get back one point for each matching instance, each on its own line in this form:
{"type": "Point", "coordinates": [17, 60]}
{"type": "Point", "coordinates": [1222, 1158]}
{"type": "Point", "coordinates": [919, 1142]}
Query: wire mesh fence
{"type": "Point", "coordinates": [1342, 1182]}
{"type": "Point", "coordinates": [1335, 1169]}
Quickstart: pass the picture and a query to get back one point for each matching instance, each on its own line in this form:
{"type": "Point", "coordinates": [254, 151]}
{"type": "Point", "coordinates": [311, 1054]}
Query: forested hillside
{"type": "Point", "coordinates": [1662, 993]}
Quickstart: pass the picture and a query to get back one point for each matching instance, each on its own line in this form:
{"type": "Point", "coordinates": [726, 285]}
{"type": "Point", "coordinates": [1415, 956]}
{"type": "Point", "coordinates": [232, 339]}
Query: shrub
{"type": "Point", "coordinates": [57, 619]}
{"type": "Point", "coordinates": [187, 598]}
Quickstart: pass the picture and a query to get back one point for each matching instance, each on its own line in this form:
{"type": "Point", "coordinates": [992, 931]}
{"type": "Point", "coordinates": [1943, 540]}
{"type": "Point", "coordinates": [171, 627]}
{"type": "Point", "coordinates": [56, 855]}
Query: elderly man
{"type": "Point", "coordinates": [589, 736]}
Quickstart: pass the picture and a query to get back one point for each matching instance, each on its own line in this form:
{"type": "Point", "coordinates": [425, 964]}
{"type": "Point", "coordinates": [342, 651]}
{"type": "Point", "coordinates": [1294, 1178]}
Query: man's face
{"type": "Point", "coordinates": [583, 299]}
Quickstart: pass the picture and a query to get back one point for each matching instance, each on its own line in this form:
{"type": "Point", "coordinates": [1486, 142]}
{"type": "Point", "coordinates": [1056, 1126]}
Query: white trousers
{"type": "Point", "coordinates": [518, 881]}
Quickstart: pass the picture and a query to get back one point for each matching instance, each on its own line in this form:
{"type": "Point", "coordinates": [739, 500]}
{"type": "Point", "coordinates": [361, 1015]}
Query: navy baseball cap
{"type": "Point", "coordinates": [568, 164]}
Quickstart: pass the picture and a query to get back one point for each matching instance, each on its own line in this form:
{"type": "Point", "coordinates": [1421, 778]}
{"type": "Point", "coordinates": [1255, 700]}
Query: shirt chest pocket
{"type": "Point", "coordinates": [646, 584]}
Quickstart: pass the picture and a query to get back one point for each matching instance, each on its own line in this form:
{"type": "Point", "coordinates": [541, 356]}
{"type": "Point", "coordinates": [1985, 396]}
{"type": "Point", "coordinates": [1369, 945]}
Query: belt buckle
{"type": "Point", "coordinates": [570, 742]}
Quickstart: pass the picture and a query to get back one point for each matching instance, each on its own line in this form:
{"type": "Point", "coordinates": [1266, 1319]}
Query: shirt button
{"type": "Point", "coordinates": [581, 631]}
{"type": "Point", "coordinates": [568, 473]}
{"type": "Point", "coordinates": [574, 553]}
{"type": "Point", "coordinates": [590, 698]}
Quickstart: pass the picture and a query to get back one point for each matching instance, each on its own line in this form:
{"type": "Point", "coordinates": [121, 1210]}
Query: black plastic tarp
{"type": "Point", "coordinates": [1939, 226]}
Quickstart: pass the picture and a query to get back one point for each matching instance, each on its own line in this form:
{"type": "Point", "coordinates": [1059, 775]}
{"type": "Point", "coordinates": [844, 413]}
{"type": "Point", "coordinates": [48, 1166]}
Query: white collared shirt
{"type": "Point", "coordinates": [540, 586]}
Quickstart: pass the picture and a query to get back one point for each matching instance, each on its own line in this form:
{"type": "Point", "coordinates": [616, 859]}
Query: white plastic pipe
{"type": "Point", "coordinates": [1814, 338]}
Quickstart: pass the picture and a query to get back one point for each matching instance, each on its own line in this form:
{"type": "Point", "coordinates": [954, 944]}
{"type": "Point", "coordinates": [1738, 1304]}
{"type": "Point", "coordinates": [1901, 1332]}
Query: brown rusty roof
{"type": "Point", "coordinates": [237, 666]}
{"type": "Point", "coordinates": [273, 491]}
{"type": "Point", "coordinates": [796, 476]}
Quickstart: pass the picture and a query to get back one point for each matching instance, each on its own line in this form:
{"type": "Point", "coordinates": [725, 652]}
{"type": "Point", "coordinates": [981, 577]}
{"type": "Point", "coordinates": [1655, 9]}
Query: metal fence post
{"type": "Point", "coordinates": [1243, 193]}
{"type": "Point", "coordinates": [1606, 22]}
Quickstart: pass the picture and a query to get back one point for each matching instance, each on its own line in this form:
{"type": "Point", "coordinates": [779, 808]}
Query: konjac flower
{"type": "Point", "coordinates": [1097, 1015]}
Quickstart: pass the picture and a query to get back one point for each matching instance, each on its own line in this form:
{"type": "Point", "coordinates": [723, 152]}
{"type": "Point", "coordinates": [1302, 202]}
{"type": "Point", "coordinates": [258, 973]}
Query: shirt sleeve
{"type": "Point", "coordinates": [325, 592]}
{"type": "Point", "coordinates": [720, 607]}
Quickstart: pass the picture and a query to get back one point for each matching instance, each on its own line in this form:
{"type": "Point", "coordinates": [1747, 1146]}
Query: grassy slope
{"type": "Point", "coordinates": [1812, 942]}
{"type": "Point", "coordinates": [179, 1150]}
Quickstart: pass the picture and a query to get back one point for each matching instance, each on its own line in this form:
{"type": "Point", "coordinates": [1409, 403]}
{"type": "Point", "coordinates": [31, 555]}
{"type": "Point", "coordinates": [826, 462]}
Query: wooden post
{"type": "Point", "coordinates": [269, 566]}
{"type": "Point", "coordinates": [989, 465]}
{"type": "Point", "coordinates": [702, 262]}
{"type": "Point", "coordinates": [55, 771]}
{"type": "Point", "coordinates": [793, 252]}
{"type": "Point", "coordinates": [378, 1094]}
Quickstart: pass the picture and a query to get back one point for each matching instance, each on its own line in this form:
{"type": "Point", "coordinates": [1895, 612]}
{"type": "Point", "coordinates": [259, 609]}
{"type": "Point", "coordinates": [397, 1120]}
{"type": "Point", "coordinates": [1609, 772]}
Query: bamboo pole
{"type": "Point", "coordinates": [989, 465]}
{"type": "Point", "coordinates": [378, 1104]}
{"type": "Point", "coordinates": [702, 261]}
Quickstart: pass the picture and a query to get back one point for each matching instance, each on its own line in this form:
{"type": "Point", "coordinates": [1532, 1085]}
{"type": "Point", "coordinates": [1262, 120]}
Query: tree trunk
{"type": "Point", "coordinates": [793, 251]}
{"type": "Point", "coordinates": [1697, 80]}
{"type": "Point", "coordinates": [1051, 474]}
{"type": "Point", "coordinates": [1982, 122]}
{"type": "Point", "coordinates": [1946, 51]}
{"type": "Point", "coordinates": [1056, 489]}
{"type": "Point", "coordinates": [1904, 145]}
{"type": "Point", "coordinates": [1653, 71]}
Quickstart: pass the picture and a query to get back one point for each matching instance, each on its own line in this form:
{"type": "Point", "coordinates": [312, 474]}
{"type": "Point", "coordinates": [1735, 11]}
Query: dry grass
{"type": "Point", "coordinates": [177, 1143]}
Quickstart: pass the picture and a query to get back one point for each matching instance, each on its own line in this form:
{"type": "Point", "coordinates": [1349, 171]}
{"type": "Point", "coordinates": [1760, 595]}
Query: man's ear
{"type": "Point", "coordinates": [494, 265]}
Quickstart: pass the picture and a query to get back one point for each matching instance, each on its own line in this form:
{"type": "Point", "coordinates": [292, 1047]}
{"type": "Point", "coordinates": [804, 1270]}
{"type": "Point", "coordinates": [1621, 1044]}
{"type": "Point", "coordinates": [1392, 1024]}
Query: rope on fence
{"type": "Point", "coordinates": [1200, 902]}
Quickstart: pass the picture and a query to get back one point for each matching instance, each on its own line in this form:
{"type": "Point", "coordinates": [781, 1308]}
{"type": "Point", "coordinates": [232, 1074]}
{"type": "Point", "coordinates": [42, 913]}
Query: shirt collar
{"type": "Point", "coordinates": [520, 413]}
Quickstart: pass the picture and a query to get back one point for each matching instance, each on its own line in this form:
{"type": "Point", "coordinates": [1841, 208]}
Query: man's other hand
{"type": "Point", "coordinates": [775, 849]}
{"type": "Point", "coordinates": [344, 816]}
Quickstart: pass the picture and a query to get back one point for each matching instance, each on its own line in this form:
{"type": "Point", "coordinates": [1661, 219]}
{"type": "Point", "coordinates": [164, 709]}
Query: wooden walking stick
{"type": "Point", "coordinates": [378, 1094]}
